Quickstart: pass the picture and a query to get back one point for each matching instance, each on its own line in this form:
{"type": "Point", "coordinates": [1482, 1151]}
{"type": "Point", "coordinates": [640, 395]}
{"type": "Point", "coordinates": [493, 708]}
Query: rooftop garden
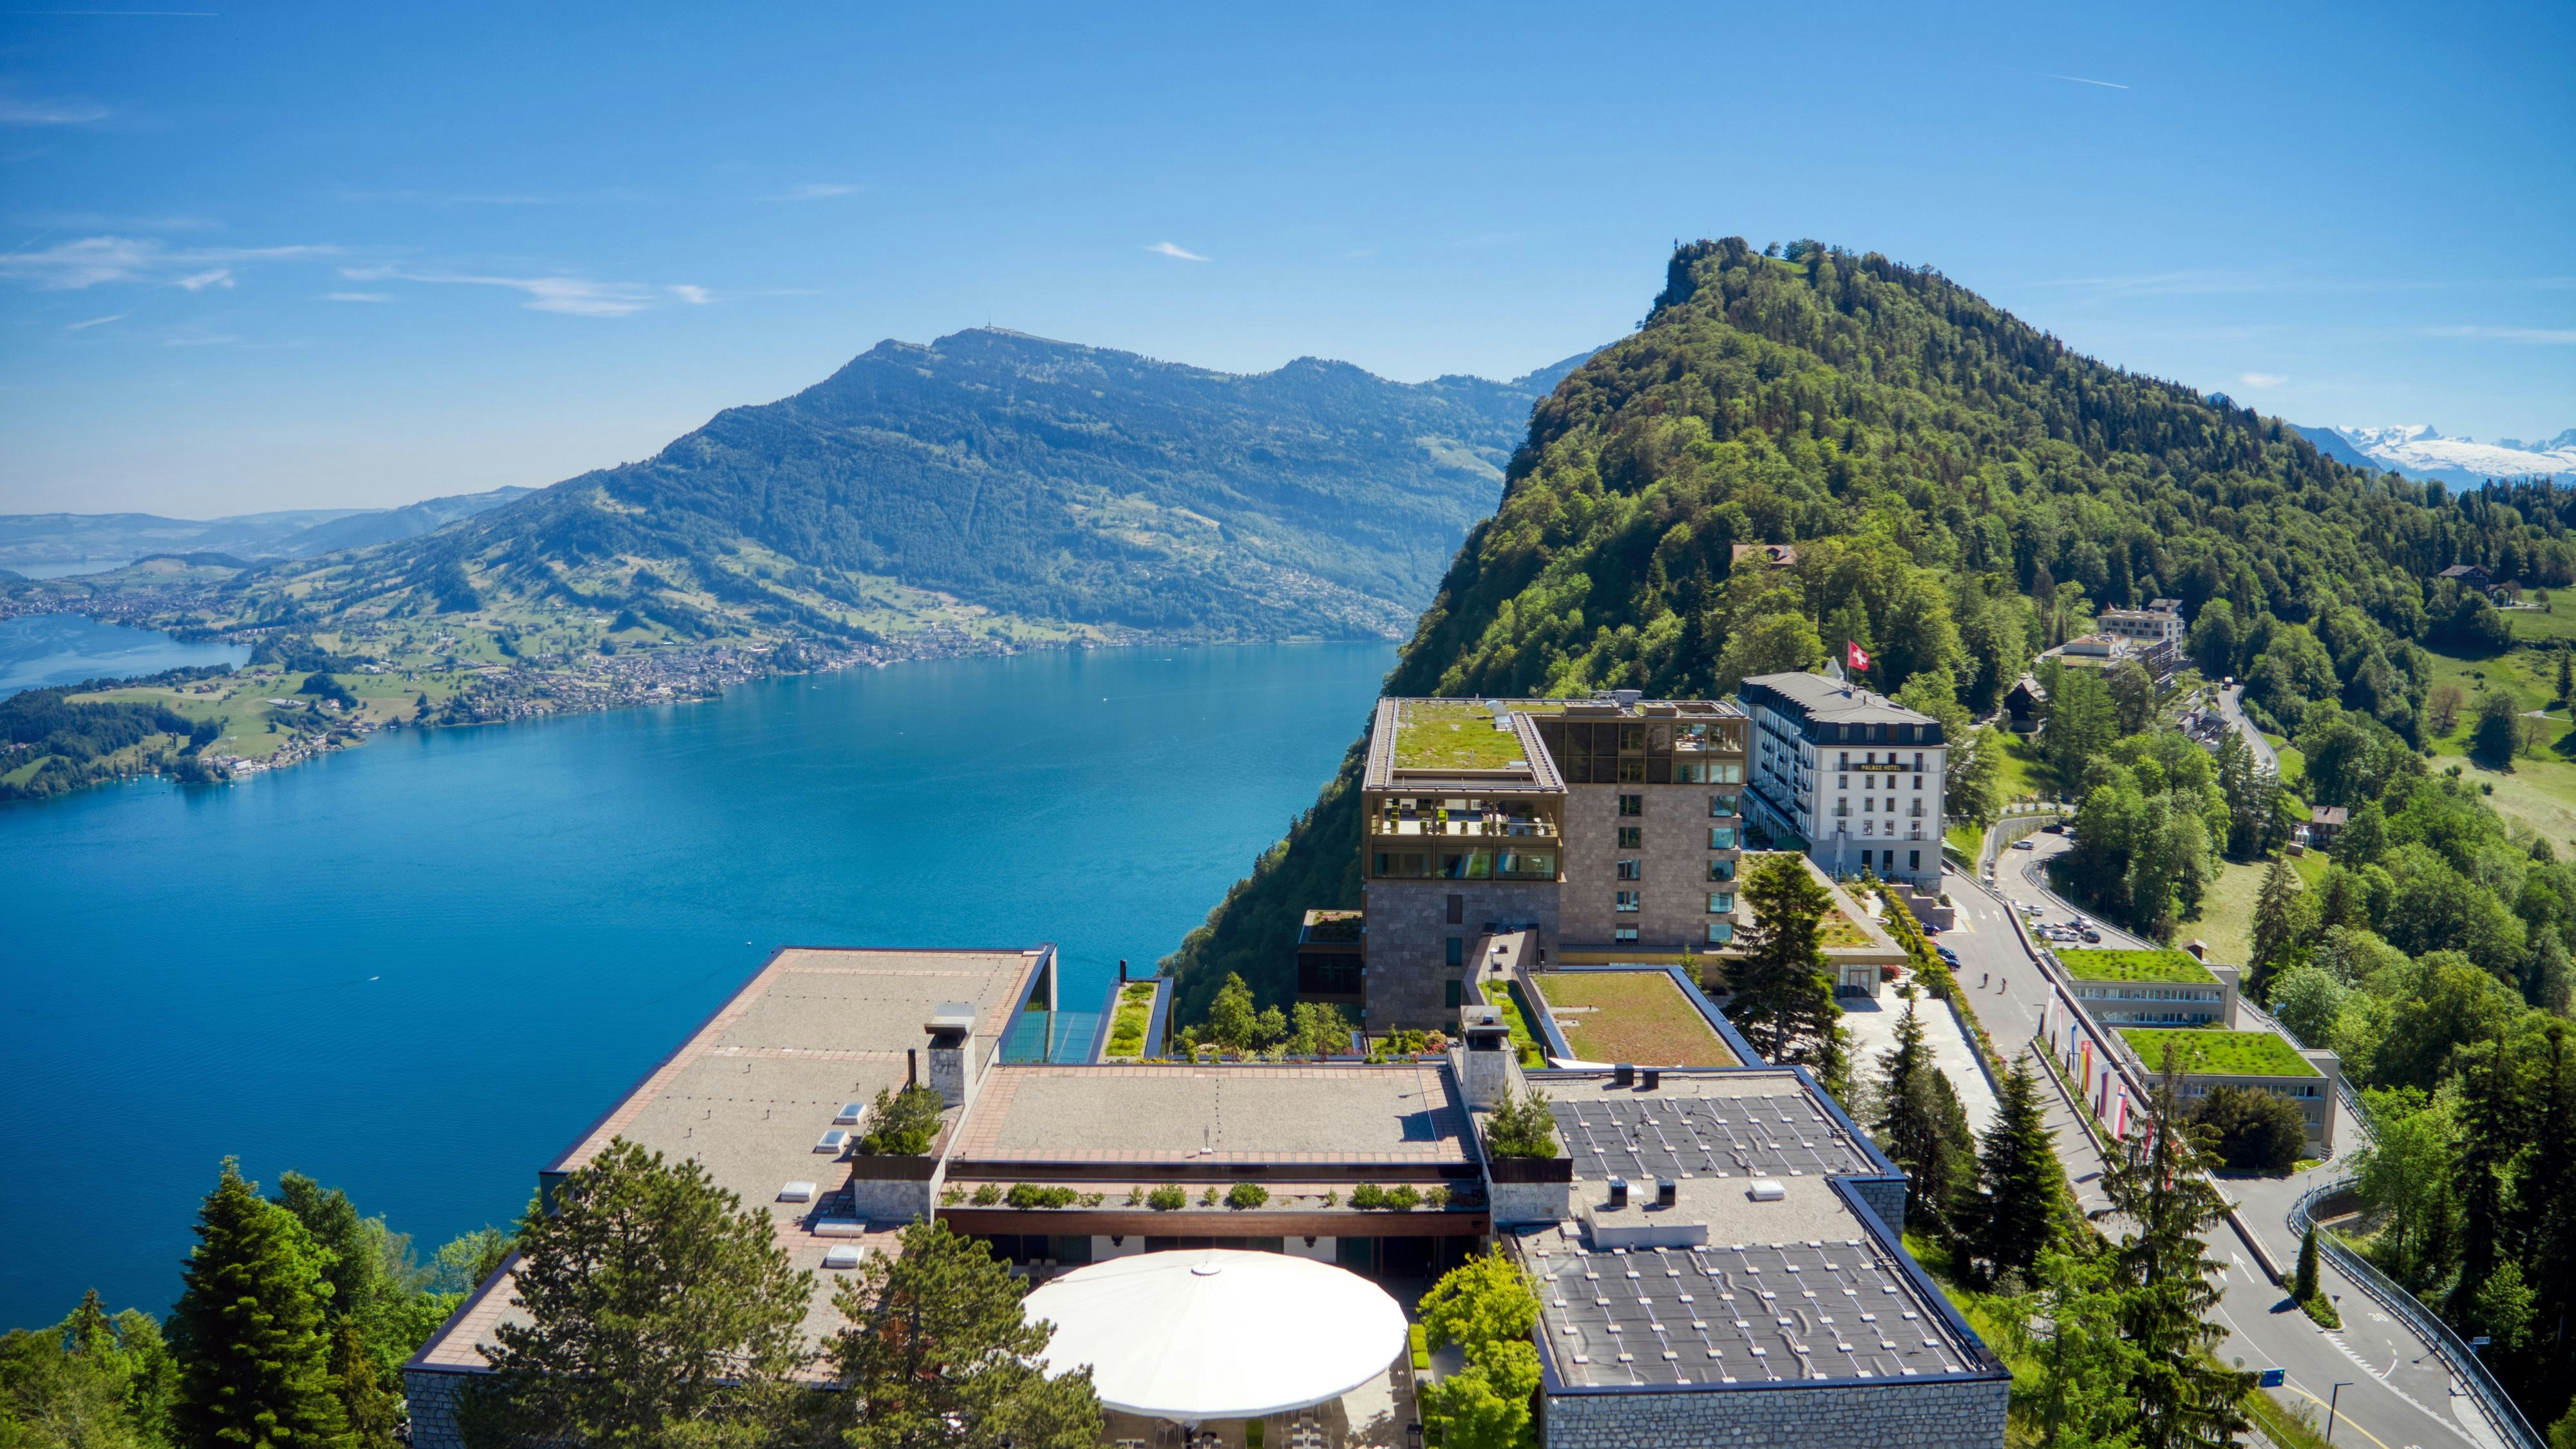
{"type": "Point", "coordinates": [2219, 1053]}
{"type": "Point", "coordinates": [1452, 734]}
{"type": "Point", "coordinates": [1631, 1016]}
{"type": "Point", "coordinates": [2162, 965]}
{"type": "Point", "coordinates": [1127, 1028]}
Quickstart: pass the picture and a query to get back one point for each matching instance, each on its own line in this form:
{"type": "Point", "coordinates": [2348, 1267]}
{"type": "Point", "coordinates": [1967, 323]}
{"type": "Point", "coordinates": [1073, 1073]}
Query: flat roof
{"type": "Point", "coordinates": [2109, 964]}
{"type": "Point", "coordinates": [1831, 700]}
{"type": "Point", "coordinates": [1796, 1288]}
{"type": "Point", "coordinates": [2206, 1052]}
{"type": "Point", "coordinates": [1451, 746]}
{"type": "Point", "coordinates": [1319, 1114]}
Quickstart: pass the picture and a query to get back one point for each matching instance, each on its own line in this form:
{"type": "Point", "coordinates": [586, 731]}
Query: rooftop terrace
{"type": "Point", "coordinates": [2219, 1053]}
{"type": "Point", "coordinates": [1348, 1115]}
{"type": "Point", "coordinates": [1631, 1016]}
{"type": "Point", "coordinates": [2176, 967]}
{"type": "Point", "coordinates": [1454, 734]}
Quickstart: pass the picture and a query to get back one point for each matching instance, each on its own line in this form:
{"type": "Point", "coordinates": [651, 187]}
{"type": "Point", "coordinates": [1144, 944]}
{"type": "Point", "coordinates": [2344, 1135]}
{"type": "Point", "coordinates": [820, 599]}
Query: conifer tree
{"type": "Point", "coordinates": [254, 1370]}
{"type": "Point", "coordinates": [2169, 1283]}
{"type": "Point", "coordinates": [2492, 1112]}
{"type": "Point", "coordinates": [2566, 678]}
{"type": "Point", "coordinates": [2017, 1179]}
{"type": "Point", "coordinates": [2082, 1399]}
{"type": "Point", "coordinates": [358, 1382]}
{"type": "Point", "coordinates": [2303, 1284]}
{"type": "Point", "coordinates": [1783, 999]}
{"type": "Point", "coordinates": [1922, 1127]}
{"type": "Point", "coordinates": [2276, 919]}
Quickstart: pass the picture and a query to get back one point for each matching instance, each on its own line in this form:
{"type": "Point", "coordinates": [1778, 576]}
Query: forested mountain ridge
{"type": "Point", "coordinates": [1082, 487]}
{"type": "Point", "coordinates": [1963, 490]}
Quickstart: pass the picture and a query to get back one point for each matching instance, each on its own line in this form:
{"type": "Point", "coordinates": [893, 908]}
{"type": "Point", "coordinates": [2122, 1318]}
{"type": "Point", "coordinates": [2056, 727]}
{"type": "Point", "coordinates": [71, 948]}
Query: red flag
{"type": "Point", "coordinates": [1859, 656]}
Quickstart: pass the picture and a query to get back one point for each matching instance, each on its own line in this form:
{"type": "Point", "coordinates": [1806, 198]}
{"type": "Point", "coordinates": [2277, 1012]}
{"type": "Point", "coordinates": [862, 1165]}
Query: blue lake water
{"type": "Point", "coordinates": [41, 649]}
{"type": "Point", "coordinates": [417, 969]}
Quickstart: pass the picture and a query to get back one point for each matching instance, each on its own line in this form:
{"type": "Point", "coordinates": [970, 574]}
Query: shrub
{"type": "Point", "coordinates": [1209, 1197]}
{"type": "Point", "coordinates": [2252, 1130]}
{"type": "Point", "coordinates": [1403, 1197]}
{"type": "Point", "coordinates": [1246, 1195]}
{"type": "Point", "coordinates": [901, 1124]}
{"type": "Point", "coordinates": [1521, 1126]}
{"type": "Point", "coordinates": [1167, 1198]}
{"type": "Point", "coordinates": [1031, 1195]}
{"type": "Point", "coordinates": [1420, 1344]}
{"type": "Point", "coordinates": [987, 1195]}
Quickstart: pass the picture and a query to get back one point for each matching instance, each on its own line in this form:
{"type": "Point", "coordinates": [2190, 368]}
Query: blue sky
{"type": "Point", "coordinates": [269, 257]}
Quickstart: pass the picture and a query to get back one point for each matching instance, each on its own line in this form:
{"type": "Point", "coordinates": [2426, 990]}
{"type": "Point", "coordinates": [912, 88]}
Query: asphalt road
{"type": "Point", "coordinates": [2231, 709]}
{"type": "Point", "coordinates": [2397, 1391]}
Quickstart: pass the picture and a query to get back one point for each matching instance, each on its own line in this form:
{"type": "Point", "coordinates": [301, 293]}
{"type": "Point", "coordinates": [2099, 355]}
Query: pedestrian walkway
{"type": "Point", "coordinates": [1872, 1024]}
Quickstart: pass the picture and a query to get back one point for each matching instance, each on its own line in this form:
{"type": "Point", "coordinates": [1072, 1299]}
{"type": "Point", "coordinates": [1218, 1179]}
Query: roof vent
{"type": "Point", "coordinates": [797, 1192]}
{"type": "Point", "coordinates": [956, 1016]}
{"type": "Point", "coordinates": [1667, 1192]}
{"type": "Point", "coordinates": [1623, 1075]}
{"type": "Point", "coordinates": [1627, 698]}
{"type": "Point", "coordinates": [1766, 1189]}
{"type": "Point", "coordinates": [1654, 1079]}
{"type": "Point", "coordinates": [841, 1258]}
{"type": "Point", "coordinates": [1618, 1193]}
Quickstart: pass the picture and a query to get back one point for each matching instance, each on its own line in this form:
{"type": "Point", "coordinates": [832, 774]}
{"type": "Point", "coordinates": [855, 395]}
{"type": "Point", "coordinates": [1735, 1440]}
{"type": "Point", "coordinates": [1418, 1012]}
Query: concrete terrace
{"type": "Point", "coordinates": [1358, 1116]}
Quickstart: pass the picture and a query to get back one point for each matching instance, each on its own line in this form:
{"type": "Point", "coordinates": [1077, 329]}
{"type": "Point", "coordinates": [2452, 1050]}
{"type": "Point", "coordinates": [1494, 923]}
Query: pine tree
{"type": "Point", "coordinates": [254, 1370]}
{"type": "Point", "coordinates": [2169, 1281]}
{"type": "Point", "coordinates": [2082, 1399]}
{"type": "Point", "coordinates": [357, 1381]}
{"type": "Point", "coordinates": [2492, 1114]}
{"type": "Point", "coordinates": [2566, 678]}
{"type": "Point", "coordinates": [2303, 1284]}
{"type": "Point", "coordinates": [1922, 1128]}
{"type": "Point", "coordinates": [2276, 919]}
{"type": "Point", "coordinates": [939, 1353]}
{"type": "Point", "coordinates": [658, 1309]}
{"type": "Point", "coordinates": [2017, 1176]}
{"type": "Point", "coordinates": [1783, 998]}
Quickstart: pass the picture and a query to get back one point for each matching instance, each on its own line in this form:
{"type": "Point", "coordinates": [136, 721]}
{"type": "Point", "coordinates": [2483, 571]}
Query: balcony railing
{"type": "Point", "coordinates": [1493, 827]}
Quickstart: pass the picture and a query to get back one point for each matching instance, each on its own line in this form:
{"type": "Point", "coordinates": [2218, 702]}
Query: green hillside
{"type": "Point", "coordinates": [1068, 491]}
{"type": "Point", "coordinates": [1963, 491]}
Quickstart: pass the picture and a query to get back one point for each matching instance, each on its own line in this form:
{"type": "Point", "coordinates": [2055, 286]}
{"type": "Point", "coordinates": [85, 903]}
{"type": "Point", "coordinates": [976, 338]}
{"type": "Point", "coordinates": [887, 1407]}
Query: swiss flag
{"type": "Point", "coordinates": [1859, 656]}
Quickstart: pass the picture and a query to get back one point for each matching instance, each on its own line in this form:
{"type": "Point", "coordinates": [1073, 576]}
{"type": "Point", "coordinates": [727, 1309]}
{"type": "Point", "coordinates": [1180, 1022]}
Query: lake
{"type": "Point", "coordinates": [415, 970]}
{"type": "Point", "coordinates": [41, 649]}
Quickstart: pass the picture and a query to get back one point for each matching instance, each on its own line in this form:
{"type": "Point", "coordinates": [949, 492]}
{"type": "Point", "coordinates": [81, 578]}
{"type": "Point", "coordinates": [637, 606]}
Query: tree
{"type": "Point", "coordinates": [2303, 1283]}
{"type": "Point", "coordinates": [2566, 676]}
{"type": "Point", "coordinates": [2276, 916]}
{"type": "Point", "coordinates": [1782, 643]}
{"type": "Point", "coordinates": [2081, 721]}
{"type": "Point", "coordinates": [92, 1381]}
{"type": "Point", "coordinates": [1923, 1128]}
{"type": "Point", "coordinates": [2405, 1175]}
{"type": "Point", "coordinates": [901, 1123]}
{"type": "Point", "coordinates": [1521, 1126]}
{"type": "Point", "coordinates": [2307, 999]}
{"type": "Point", "coordinates": [1232, 1021]}
{"type": "Point", "coordinates": [2133, 696]}
{"type": "Point", "coordinates": [2169, 1281]}
{"type": "Point", "coordinates": [2364, 837]}
{"type": "Point", "coordinates": [2251, 1130]}
{"type": "Point", "coordinates": [1486, 1307]}
{"type": "Point", "coordinates": [357, 1381]}
{"type": "Point", "coordinates": [2444, 703]}
{"type": "Point", "coordinates": [939, 1354]}
{"type": "Point", "coordinates": [248, 1329]}
{"type": "Point", "coordinates": [656, 1307]}
{"type": "Point", "coordinates": [1318, 1029]}
{"type": "Point", "coordinates": [2493, 739]}
{"type": "Point", "coordinates": [2086, 1364]}
{"type": "Point", "coordinates": [1783, 999]}
{"type": "Point", "coordinates": [2017, 1177]}
{"type": "Point", "coordinates": [2213, 642]}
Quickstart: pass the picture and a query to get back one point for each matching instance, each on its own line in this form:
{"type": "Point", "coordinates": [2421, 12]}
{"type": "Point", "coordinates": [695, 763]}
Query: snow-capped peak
{"type": "Point", "coordinates": [2420, 449]}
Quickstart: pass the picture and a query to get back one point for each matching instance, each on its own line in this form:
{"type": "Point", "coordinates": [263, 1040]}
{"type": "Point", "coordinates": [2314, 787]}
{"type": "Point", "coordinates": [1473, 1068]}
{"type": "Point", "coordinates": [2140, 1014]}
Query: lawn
{"type": "Point", "coordinates": [1127, 1028]}
{"type": "Point", "coordinates": [2108, 965]}
{"type": "Point", "coordinates": [1525, 1040]}
{"type": "Point", "coordinates": [2225, 1053]}
{"type": "Point", "coordinates": [1452, 734]}
{"type": "Point", "coordinates": [2024, 775]}
{"type": "Point", "coordinates": [1632, 1016]}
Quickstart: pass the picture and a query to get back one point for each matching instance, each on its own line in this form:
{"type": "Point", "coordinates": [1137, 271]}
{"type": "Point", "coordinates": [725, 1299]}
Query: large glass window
{"type": "Point", "coordinates": [1628, 901]}
{"type": "Point", "coordinates": [1721, 806]}
{"type": "Point", "coordinates": [1720, 902]}
{"type": "Point", "coordinates": [1525, 865]}
{"type": "Point", "coordinates": [1721, 870]}
{"type": "Point", "coordinates": [1721, 837]}
{"type": "Point", "coordinates": [1623, 935]}
{"type": "Point", "coordinates": [1455, 951]}
{"type": "Point", "coordinates": [1720, 932]}
{"type": "Point", "coordinates": [1631, 870]}
{"type": "Point", "coordinates": [1632, 772]}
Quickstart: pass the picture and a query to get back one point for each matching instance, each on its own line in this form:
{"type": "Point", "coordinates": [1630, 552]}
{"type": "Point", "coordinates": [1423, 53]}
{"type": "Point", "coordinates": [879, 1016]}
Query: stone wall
{"type": "Point", "coordinates": [1899, 1414]}
{"type": "Point", "coordinates": [1529, 1202]}
{"type": "Point", "coordinates": [880, 1200]}
{"type": "Point", "coordinates": [1408, 934]}
{"type": "Point", "coordinates": [1886, 1197]}
{"type": "Point", "coordinates": [1672, 858]}
{"type": "Point", "coordinates": [431, 1398]}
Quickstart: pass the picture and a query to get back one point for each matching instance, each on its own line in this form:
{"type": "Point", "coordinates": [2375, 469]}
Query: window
{"type": "Point", "coordinates": [1632, 805]}
{"type": "Point", "coordinates": [1721, 870]}
{"type": "Point", "coordinates": [1632, 772]}
{"type": "Point", "coordinates": [1914, 860]}
{"type": "Point", "coordinates": [1842, 760]}
{"type": "Point", "coordinates": [1727, 774]}
{"type": "Point", "coordinates": [1720, 932]}
{"type": "Point", "coordinates": [1452, 991]}
{"type": "Point", "coordinates": [1627, 901]}
{"type": "Point", "coordinates": [1720, 902]}
{"type": "Point", "coordinates": [1918, 782]}
{"type": "Point", "coordinates": [1456, 954]}
{"type": "Point", "coordinates": [1632, 837]}
{"type": "Point", "coordinates": [1721, 806]}
{"type": "Point", "coordinates": [1917, 810]}
{"type": "Point", "coordinates": [1721, 837]}
{"type": "Point", "coordinates": [1918, 762]}
{"type": "Point", "coordinates": [1842, 807]}
{"type": "Point", "coordinates": [1624, 935]}
{"type": "Point", "coordinates": [1629, 870]}
{"type": "Point", "coordinates": [1457, 911]}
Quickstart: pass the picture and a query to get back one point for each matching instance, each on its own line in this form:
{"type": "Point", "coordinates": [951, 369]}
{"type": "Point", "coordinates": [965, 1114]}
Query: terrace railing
{"type": "Point", "coordinates": [2462, 1360]}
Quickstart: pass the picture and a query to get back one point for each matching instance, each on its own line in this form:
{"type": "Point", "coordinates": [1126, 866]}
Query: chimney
{"type": "Point", "coordinates": [1485, 1056]}
{"type": "Point", "coordinates": [1667, 1192]}
{"type": "Point", "coordinates": [1654, 1078]}
{"type": "Point", "coordinates": [952, 1036]}
{"type": "Point", "coordinates": [1618, 1193]}
{"type": "Point", "coordinates": [1623, 1075]}
{"type": "Point", "coordinates": [1122, 970]}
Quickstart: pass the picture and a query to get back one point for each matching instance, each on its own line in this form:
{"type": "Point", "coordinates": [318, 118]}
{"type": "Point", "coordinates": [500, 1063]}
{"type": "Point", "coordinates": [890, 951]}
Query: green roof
{"type": "Point", "coordinates": [1452, 734]}
{"type": "Point", "coordinates": [2108, 965]}
{"type": "Point", "coordinates": [2220, 1053]}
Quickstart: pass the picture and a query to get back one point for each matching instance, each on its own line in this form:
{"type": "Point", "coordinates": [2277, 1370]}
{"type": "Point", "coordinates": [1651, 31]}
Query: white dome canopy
{"type": "Point", "coordinates": [1214, 1333]}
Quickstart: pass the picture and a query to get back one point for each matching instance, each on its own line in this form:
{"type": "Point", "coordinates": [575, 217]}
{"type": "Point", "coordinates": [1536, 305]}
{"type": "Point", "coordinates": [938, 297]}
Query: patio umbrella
{"type": "Point", "coordinates": [1213, 1333]}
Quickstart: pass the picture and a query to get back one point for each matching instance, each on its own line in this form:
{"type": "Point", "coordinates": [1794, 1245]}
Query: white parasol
{"type": "Point", "coordinates": [1213, 1333]}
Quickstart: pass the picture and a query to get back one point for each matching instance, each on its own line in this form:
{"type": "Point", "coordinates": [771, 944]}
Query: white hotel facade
{"type": "Point", "coordinates": [1851, 776]}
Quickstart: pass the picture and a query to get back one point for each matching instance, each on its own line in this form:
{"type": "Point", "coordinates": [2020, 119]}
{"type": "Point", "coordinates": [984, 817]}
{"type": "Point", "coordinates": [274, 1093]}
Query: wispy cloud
{"type": "Point", "coordinates": [815, 191]}
{"type": "Point", "coordinates": [2544, 336]}
{"type": "Point", "coordinates": [222, 340]}
{"type": "Point", "coordinates": [74, 265]}
{"type": "Point", "coordinates": [694, 296]}
{"type": "Point", "coordinates": [571, 296]}
{"type": "Point", "coordinates": [2083, 80]}
{"type": "Point", "coordinates": [2261, 379]}
{"type": "Point", "coordinates": [27, 111]}
{"type": "Point", "coordinates": [97, 322]}
{"type": "Point", "coordinates": [360, 297]}
{"type": "Point", "coordinates": [1166, 249]}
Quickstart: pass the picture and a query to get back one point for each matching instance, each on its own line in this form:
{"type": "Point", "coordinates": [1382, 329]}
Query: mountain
{"type": "Point", "coordinates": [1947, 471]}
{"type": "Point", "coordinates": [2421, 451]}
{"type": "Point", "coordinates": [991, 480]}
{"type": "Point", "coordinates": [54, 542]}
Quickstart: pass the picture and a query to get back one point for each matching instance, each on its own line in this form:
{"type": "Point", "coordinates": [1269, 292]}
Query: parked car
{"type": "Point", "coordinates": [2092, 938]}
{"type": "Point", "coordinates": [1931, 930]}
{"type": "Point", "coordinates": [2022, 844]}
{"type": "Point", "coordinates": [1946, 954]}
{"type": "Point", "coordinates": [2054, 827]}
